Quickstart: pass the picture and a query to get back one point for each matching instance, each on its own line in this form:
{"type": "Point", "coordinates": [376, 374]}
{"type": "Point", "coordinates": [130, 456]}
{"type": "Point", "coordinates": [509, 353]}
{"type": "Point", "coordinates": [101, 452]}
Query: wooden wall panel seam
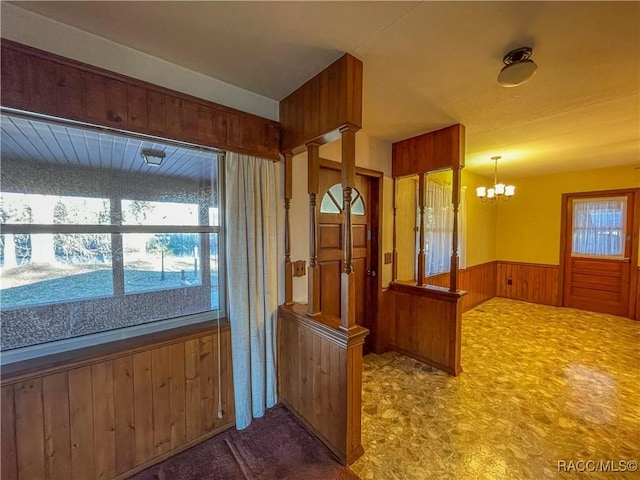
{"type": "Point", "coordinates": [321, 381]}
{"type": "Point", "coordinates": [83, 440]}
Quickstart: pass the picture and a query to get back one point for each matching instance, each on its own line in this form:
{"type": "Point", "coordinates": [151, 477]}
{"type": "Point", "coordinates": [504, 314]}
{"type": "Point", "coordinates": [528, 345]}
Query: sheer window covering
{"type": "Point", "coordinates": [438, 227]}
{"type": "Point", "coordinates": [599, 226]}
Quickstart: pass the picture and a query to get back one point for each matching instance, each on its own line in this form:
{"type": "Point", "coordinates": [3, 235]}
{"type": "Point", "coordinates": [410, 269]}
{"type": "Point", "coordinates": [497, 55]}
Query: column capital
{"type": "Point", "coordinates": [348, 127]}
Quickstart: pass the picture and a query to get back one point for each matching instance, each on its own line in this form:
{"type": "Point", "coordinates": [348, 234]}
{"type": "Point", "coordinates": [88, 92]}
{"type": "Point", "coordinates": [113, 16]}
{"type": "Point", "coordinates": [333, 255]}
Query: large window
{"type": "Point", "coordinates": [94, 239]}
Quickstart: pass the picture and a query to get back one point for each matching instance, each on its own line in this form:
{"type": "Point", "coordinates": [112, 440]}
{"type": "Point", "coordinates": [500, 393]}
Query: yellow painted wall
{"type": "Point", "coordinates": [480, 240]}
{"type": "Point", "coordinates": [528, 226]}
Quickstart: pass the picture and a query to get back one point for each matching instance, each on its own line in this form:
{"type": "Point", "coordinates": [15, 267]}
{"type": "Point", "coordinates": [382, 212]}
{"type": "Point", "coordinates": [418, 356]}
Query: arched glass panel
{"type": "Point", "coordinates": [328, 205]}
{"type": "Point", "coordinates": [336, 193]}
{"type": "Point", "coordinates": [333, 201]}
{"type": "Point", "coordinates": [357, 207]}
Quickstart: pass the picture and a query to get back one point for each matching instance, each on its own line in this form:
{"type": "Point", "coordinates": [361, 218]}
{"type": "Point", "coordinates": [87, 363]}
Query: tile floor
{"type": "Point", "coordinates": [540, 385]}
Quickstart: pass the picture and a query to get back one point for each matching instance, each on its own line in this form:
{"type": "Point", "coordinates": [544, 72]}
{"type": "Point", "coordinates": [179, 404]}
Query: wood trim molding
{"type": "Point", "coordinates": [430, 291]}
{"type": "Point", "coordinates": [479, 281]}
{"type": "Point", "coordinates": [44, 83]}
{"type": "Point", "coordinates": [330, 164]}
{"type": "Point", "coordinates": [326, 326]}
{"type": "Point", "coordinates": [176, 451]}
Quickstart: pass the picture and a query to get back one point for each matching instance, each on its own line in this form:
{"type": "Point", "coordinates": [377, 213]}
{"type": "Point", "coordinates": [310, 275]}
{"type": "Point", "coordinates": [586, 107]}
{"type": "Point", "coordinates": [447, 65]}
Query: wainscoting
{"type": "Point", "coordinates": [427, 325]}
{"type": "Point", "coordinates": [530, 282]}
{"type": "Point", "coordinates": [320, 377]}
{"type": "Point", "coordinates": [479, 281]}
{"type": "Point", "coordinates": [115, 413]}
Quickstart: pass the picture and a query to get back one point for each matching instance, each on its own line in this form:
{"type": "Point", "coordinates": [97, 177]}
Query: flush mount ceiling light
{"type": "Point", "coordinates": [152, 157]}
{"type": "Point", "coordinates": [499, 190]}
{"type": "Point", "coordinates": [518, 69]}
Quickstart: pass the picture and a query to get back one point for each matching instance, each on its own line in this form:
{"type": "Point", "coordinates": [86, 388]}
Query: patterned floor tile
{"type": "Point", "coordinates": [541, 385]}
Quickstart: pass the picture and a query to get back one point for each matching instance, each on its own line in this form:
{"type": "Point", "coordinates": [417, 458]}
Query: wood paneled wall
{"type": "Point", "coordinates": [430, 152]}
{"type": "Point", "coordinates": [530, 282]}
{"type": "Point", "coordinates": [41, 82]}
{"type": "Point", "coordinates": [638, 296]}
{"type": "Point", "coordinates": [479, 281]}
{"type": "Point", "coordinates": [317, 110]}
{"type": "Point", "coordinates": [427, 325]}
{"type": "Point", "coordinates": [110, 417]}
{"type": "Point", "coordinates": [320, 377]}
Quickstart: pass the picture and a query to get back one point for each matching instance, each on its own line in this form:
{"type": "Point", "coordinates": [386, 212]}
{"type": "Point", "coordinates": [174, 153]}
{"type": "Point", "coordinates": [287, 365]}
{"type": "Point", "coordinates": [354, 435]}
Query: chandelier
{"type": "Point", "coordinates": [499, 190]}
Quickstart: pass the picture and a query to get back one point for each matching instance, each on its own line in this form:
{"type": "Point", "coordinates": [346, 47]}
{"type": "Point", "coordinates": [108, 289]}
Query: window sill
{"type": "Point", "coordinates": [49, 364]}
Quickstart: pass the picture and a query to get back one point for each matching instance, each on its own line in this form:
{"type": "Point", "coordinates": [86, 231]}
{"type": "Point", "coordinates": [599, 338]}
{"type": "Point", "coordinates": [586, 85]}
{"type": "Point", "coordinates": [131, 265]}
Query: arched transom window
{"type": "Point", "coordinates": [333, 202]}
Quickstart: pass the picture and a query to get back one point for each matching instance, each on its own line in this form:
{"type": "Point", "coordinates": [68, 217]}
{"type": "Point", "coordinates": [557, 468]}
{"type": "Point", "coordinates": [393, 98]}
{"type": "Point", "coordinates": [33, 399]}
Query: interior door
{"type": "Point", "coordinates": [331, 245]}
{"type": "Point", "coordinates": [598, 248]}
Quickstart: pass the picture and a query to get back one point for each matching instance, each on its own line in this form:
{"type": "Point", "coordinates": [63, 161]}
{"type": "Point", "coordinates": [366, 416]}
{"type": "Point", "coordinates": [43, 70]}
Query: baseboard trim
{"type": "Point", "coordinates": [175, 451]}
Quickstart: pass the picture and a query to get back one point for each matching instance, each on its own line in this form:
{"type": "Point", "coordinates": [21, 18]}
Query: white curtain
{"type": "Point", "coordinates": [599, 226]}
{"type": "Point", "coordinates": [252, 278]}
{"type": "Point", "coordinates": [438, 227]}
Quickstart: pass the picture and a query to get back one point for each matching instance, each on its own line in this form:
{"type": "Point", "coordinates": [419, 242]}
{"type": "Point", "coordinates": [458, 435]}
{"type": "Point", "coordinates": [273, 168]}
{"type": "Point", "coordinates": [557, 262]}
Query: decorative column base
{"type": "Point", "coordinates": [348, 301]}
{"type": "Point", "coordinates": [313, 306]}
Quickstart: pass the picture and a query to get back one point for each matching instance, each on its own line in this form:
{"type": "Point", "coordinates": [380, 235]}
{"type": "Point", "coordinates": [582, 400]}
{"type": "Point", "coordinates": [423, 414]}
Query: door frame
{"type": "Point", "coordinates": [634, 229]}
{"type": "Point", "coordinates": [375, 216]}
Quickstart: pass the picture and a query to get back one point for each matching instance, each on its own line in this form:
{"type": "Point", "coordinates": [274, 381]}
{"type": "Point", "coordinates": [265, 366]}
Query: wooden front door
{"type": "Point", "coordinates": [331, 244]}
{"type": "Point", "coordinates": [599, 244]}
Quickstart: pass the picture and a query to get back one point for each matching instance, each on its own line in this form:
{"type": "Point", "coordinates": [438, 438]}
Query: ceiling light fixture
{"type": "Point", "coordinates": [518, 69]}
{"type": "Point", "coordinates": [499, 190]}
{"type": "Point", "coordinates": [151, 157]}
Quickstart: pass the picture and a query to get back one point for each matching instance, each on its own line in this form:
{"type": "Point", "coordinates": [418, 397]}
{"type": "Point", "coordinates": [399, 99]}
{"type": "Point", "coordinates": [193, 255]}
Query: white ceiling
{"type": "Point", "coordinates": [427, 65]}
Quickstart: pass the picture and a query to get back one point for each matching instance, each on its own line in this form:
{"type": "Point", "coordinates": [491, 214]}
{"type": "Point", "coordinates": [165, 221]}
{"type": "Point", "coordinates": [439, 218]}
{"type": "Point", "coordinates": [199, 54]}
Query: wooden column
{"type": "Point", "coordinates": [288, 265]}
{"type": "Point", "coordinates": [455, 261]}
{"type": "Point", "coordinates": [313, 175]}
{"type": "Point", "coordinates": [348, 283]}
{"type": "Point", "coordinates": [394, 266]}
{"type": "Point", "coordinates": [421, 255]}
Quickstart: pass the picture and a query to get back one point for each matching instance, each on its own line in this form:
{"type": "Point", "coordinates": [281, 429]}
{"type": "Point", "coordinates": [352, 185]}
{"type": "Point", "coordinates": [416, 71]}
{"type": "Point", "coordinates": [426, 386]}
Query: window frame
{"type": "Point", "coordinates": [116, 227]}
{"type": "Point", "coordinates": [623, 227]}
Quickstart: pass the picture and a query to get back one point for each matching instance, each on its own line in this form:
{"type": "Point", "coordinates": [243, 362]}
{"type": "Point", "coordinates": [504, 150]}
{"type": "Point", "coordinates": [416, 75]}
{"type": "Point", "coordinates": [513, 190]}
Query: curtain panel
{"type": "Point", "coordinates": [599, 226]}
{"type": "Point", "coordinates": [438, 227]}
{"type": "Point", "coordinates": [252, 186]}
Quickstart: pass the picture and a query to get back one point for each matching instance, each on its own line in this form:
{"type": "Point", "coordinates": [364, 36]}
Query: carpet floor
{"type": "Point", "coordinates": [274, 447]}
